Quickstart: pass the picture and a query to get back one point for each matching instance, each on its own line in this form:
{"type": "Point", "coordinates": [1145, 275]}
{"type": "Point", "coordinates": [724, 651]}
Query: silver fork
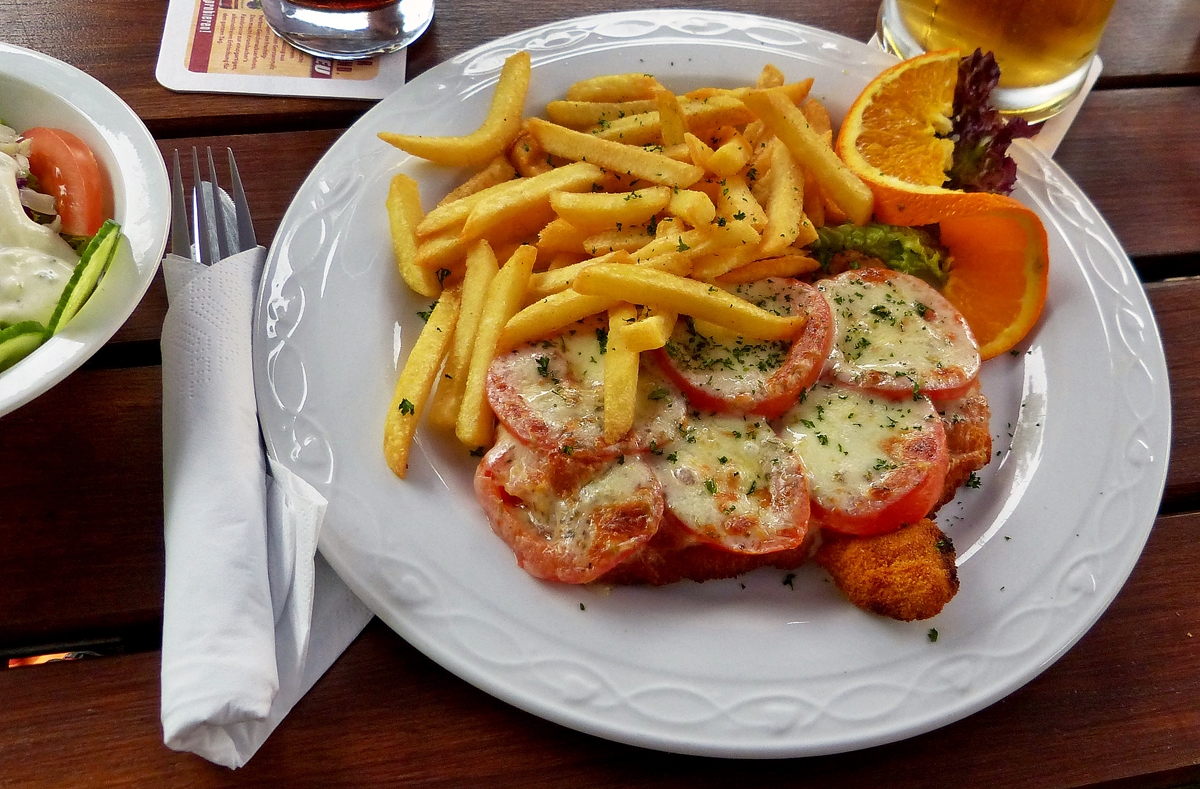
{"type": "Point", "coordinates": [212, 234]}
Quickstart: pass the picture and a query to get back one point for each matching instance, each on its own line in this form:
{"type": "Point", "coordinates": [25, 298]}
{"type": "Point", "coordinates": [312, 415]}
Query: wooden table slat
{"type": "Point", "coordinates": [423, 726]}
{"type": "Point", "coordinates": [1146, 43]}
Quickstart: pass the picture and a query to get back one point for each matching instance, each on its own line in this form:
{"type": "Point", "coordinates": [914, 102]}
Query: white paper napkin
{"type": "Point", "coordinates": [252, 615]}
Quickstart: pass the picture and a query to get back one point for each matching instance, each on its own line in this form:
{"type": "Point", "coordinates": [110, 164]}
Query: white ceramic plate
{"type": "Point", "coordinates": [751, 667]}
{"type": "Point", "coordinates": [37, 90]}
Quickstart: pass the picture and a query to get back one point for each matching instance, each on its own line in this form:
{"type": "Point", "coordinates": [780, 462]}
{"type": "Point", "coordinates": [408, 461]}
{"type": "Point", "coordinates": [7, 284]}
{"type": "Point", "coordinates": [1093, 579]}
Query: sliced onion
{"type": "Point", "coordinates": [37, 202]}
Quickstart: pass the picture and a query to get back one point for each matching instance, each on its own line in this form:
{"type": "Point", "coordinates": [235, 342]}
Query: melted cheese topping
{"type": "Point", "coordinates": [35, 263]}
{"type": "Point", "coordinates": [556, 516]}
{"type": "Point", "coordinates": [848, 439]}
{"type": "Point", "coordinates": [727, 363]}
{"type": "Point", "coordinates": [720, 466]}
{"type": "Point", "coordinates": [896, 328]}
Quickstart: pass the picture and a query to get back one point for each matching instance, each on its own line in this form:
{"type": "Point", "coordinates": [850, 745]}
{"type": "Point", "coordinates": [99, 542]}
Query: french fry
{"type": "Point", "coordinates": [785, 205]}
{"type": "Point", "coordinates": [563, 259]}
{"type": "Point", "coordinates": [560, 235]}
{"type": "Point", "coordinates": [476, 422]}
{"type": "Point", "coordinates": [501, 127]}
{"type": "Point", "coordinates": [646, 128]}
{"type": "Point", "coordinates": [497, 171]}
{"type": "Point", "coordinates": [481, 268]}
{"type": "Point", "coordinates": [513, 206]}
{"type": "Point", "coordinates": [416, 380]}
{"type": "Point", "coordinates": [620, 374]}
{"type": "Point", "coordinates": [770, 77]}
{"type": "Point", "coordinates": [675, 263]}
{"type": "Point", "coordinates": [730, 158]}
{"type": "Point", "coordinates": [783, 266]}
{"type": "Point", "coordinates": [789, 125]}
{"type": "Point", "coordinates": [603, 210]}
{"type": "Point", "coordinates": [668, 292]}
{"type": "Point", "coordinates": [668, 226]}
{"type": "Point", "coordinates": [818, 118]}
{"type": "Point", "coordinates": [443, 251]}
{"type": "Point", "coordinates": [671, 118]}
{"type": "Point", "coordinates": [404, 213]}
{"type": "Point", "coordinates": [710, 267]}
{"type": "Point", "coordinates": [557, 280]}
{"type": "Point", "coordinates": [450, 216]}
{"type": "Point", "coordinates": [699, 241]}
{"type": "Point", "coordinates": [692, 207]}
{"type": "Point", "coordinates": [549, 316]}
{"type": "Point", "coordinates": [585, 114]}
{"type": "Point", "coordinates": [735, 202]}
{"type": "Point", "coordinates": [814, 201]}
{"type": "Point", "coordinates": [647, 165]}
{"type": "Point", "coordinates": [628, 239]}
{"type": "Point", "coordinates": [614, 87]}
{"type": "Point", "coordinates": [817, 206]}
{"type": "Point", "coordinates": [527, 156]}
{"type": "Point", "coordinates": [649, 333]}
{"type": "Point", "coordinates": [699, 150]}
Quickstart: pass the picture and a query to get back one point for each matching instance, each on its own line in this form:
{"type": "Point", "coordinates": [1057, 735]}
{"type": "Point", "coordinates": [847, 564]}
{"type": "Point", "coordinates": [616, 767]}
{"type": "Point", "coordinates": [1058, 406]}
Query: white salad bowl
{"type": "Point", "coordinates": [37, 90]}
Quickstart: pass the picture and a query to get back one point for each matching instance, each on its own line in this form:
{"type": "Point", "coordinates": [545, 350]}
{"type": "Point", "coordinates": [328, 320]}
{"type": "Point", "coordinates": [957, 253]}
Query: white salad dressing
{"type": "Point", "coordinates": [35, 262]}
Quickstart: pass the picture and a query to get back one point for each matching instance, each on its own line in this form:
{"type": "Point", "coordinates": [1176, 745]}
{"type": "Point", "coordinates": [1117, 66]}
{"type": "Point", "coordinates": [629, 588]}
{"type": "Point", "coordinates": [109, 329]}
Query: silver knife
{"type": "Point", "coordinates": [181, 243]}
{"type": "Point", "coordinates": [245, 226]}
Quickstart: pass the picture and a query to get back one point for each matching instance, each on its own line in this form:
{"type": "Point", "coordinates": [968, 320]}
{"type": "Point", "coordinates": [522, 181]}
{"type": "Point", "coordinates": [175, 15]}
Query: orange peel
{"type": "Point", "coordinates": [893, 138]}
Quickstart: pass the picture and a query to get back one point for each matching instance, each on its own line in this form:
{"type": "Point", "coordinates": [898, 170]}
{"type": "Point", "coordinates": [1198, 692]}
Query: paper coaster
{"type": "Point", "coordinates": [225, 46]}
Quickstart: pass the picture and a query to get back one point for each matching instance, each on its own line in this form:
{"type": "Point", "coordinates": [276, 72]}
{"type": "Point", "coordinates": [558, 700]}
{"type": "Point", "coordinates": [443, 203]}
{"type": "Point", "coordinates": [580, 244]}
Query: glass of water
{"type": "Point", "coordinates": [348, 29]}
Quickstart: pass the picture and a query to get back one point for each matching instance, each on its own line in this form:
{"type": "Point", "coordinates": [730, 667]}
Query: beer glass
{"type": "Point", "coordinates": [348, 29]}
{"type": "Point", "coordinates": [1044, 47]}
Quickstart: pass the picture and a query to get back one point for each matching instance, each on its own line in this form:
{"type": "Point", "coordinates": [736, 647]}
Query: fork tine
{"type": "Point", "coordinates": [218, 220]}
{"type": "Point", "coordinates": [246, 237]}
{"type": "Point", "coordinates": [204, 249]}
{"type": "Point", "coordinates": [180, 236]}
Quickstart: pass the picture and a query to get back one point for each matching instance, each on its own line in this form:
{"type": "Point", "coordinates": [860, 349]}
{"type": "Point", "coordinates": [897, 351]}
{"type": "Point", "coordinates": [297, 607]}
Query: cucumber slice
{"type": "Point", "coordinates": [20, 340]}
{"type": "Point", "coordinates": [93, 262]}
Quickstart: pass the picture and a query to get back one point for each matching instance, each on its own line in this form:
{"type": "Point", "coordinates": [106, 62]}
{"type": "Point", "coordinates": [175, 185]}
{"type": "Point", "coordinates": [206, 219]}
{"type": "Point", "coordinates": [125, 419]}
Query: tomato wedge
{"type": "Point", "coordinates": [732, 484]}
{"type": "Point", "coordinates": [67, 170]}
{"type": "Point", "coordinates": [720, 371]}
{"type": "Point", "coordinates": [567, 520]}
{"type": "Point", "coordinates": [873, 464]}
{"type": "Point", "coordinates": [895, 334]}
{"type": "Point", "coordinates": [550, 395]}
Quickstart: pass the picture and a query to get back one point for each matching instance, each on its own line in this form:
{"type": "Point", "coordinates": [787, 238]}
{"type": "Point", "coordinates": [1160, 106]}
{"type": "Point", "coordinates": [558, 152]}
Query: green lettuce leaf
{"type": "Point", "coordinates": [911, 250]}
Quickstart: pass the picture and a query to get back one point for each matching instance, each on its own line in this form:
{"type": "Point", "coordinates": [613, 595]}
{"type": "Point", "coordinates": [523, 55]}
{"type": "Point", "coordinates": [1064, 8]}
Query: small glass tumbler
{"type": "Point", "coordinates": [1044, 47]}
{"type": "Point", "coordinates": [348, 29]}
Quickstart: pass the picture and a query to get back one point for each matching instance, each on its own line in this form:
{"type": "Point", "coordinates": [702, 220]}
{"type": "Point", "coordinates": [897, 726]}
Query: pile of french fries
{"type": "Point", "coordinates": [628, 200]}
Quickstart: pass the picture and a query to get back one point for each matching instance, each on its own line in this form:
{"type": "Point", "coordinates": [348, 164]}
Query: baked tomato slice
{"type": "Point", "coordinates": [550, 393]}
{"type": "Point", "coordinates": [568, 521]}
{"type": "Point", "coordinates": [733, 484]}
{"type": "Point", "coordinates": [67, 170]}
{"type": "Point", "coordinates": [895, 334]}
{"type": "Point", "coordinates": [722, 371]}
{"type": "Point", "coordinates": [873, 463]}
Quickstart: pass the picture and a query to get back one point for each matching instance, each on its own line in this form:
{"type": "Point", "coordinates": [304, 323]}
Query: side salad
{"type": "Point", "coordinates": [55, 241]}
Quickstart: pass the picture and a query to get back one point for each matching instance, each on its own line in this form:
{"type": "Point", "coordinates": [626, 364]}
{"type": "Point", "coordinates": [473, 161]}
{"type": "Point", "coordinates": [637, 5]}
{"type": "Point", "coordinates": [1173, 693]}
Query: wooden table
{"type": "Point", "coordinates": [81, 549]}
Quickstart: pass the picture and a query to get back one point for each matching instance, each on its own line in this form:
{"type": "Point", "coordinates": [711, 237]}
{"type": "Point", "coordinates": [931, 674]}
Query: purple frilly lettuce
{"type": "Point", "coordinates": [981, 134]}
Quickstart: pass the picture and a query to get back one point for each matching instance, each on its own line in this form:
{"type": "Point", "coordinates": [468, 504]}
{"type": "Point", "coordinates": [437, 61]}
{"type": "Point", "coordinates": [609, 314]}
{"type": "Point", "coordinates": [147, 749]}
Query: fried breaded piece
{"type": "Point", "coordinates": [671, 555]}
{"type": "Point", "coordinates": [907, 574]}
{"type": "Point", "coordinates": [968, 439]}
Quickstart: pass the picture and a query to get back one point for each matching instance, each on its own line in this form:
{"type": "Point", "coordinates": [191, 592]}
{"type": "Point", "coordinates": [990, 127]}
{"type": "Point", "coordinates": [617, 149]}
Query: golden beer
{"type": "Point", "coordinates": [1043, 47]}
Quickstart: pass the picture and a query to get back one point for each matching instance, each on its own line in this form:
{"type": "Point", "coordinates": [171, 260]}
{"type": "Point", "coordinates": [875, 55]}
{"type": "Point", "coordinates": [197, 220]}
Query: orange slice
{"type": "Point", "coordinates": [998, 275]}
{"type": "Point", "coordinates": [892, 138]}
